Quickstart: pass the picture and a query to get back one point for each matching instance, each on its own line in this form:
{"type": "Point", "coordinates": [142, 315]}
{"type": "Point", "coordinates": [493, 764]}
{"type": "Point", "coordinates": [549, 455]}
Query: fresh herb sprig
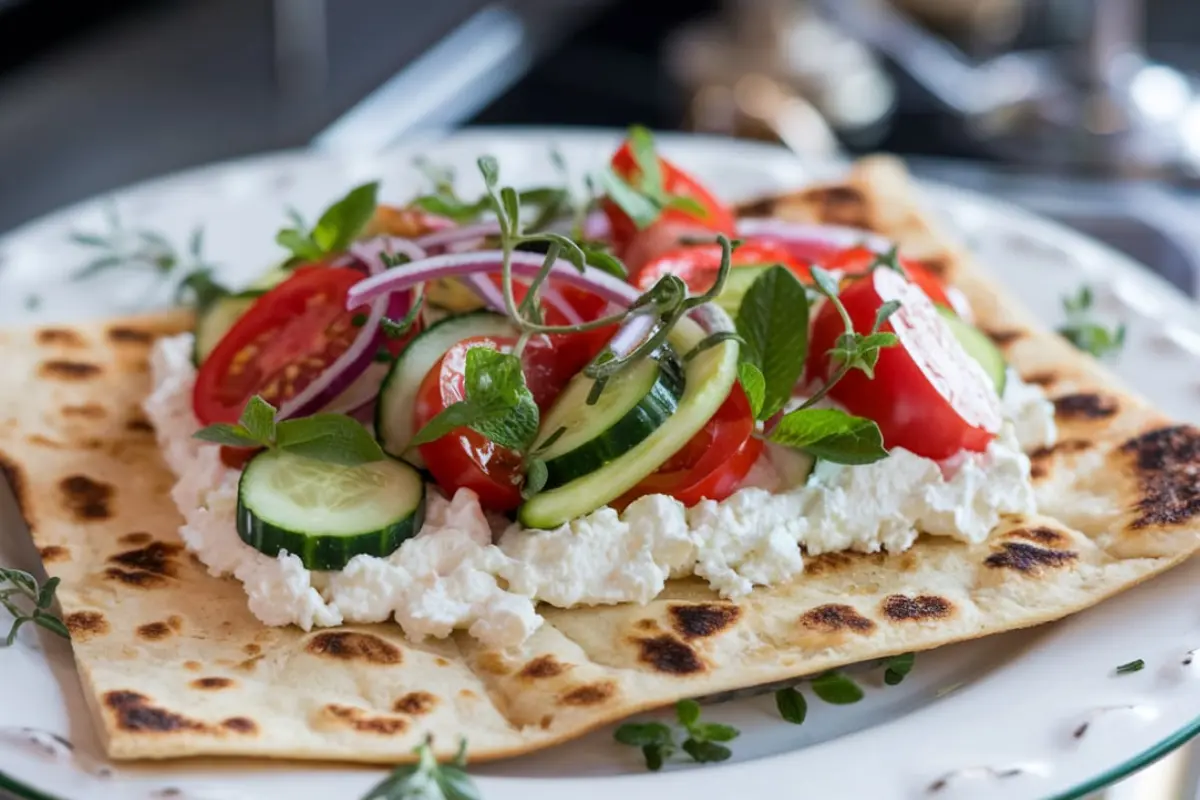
{"type": "Point", "coordinates": [896, 668]}
{"type": "Point", "coordinates": [332, 438]}
{"type": "Point", "coordinates": [643, 197]}
{"type": "Point", "coordinates": [1137, 665]}
{"type": "Point", "coordinates": [773, 323]}
{"type": "Point", "coordinates": [1084, 331]}
{"type": "Point", "coordinates": [427, 779]}
{"type": "Point", "coordinates": [659, 742]}
{"type": "Point", "coordinates": [837, 688]}
{"type": "Point", "coordinates": [122, 248]}
{"type": "Point", "coordinates": [550, 202]}
{"type": "Point", "coordinates": [335, 229]}
{"type": "Point", "coordinates": [19, 589]}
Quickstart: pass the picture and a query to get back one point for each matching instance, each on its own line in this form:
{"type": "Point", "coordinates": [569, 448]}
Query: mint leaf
{"type": "Point", "coordinates": [258, 418]}
{"type": "Point", "coordinates": [299, 245]}
{"type": "Point", "coordinates": [773, 321]}
{"type": "Point", "coordinates": [229, 435]}
{"type": "Point", "coordinates": [452, 207]}
{"type": "Point", "coordinates": [753, 385]}
{"type": "Point", "coordinates": [344, 220]}
{"type": "Point", "coordinates": [714, 732]}
{"type": "Point", "coordinates": [641, 147]}
{"type": "Point", "coordinates": [536, 475]}
{"type": "Point", "coordinates": [824, 280]}
{"type": "Point", "coordinates": [704, 752]}
{"type": "Point", "coordinates": [832, 435]}
{"type": "Point", "coordinates": [688, 713]}
{"type": "Point", "coordinates": [636, 206]}
{"type": "Point", "coordinates": [882, 313]}
{"type": "Point", "coordinates": [641, 734]}
{"type": "Point", "coordinates": [898, 667]}
{"type": "Point", "coordinates": [514, 428]}
{"type": "Point", "coordinates": [792, 705]}
{"type": "Point", "coordinates": [333, 438]}
{"type": "Point", "coordinates": [456, 415]}
{"type": "Point", "coordinates": [834, 687]}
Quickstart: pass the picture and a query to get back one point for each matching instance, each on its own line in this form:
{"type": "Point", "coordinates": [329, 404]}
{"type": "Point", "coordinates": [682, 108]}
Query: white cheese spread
{"type": "Point", "coordinates": [451, 576]}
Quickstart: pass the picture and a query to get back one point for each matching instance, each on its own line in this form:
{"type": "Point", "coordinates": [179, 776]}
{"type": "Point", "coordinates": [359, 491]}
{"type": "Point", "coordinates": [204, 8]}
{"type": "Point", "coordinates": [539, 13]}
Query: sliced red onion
{"type": "Point", "coordinates": [800, 233]}
{"type": "Point", "coordinates": [553, 298]}
{"type": "Point", "coordinates": [457, 264]}
{"type": "Point", "coordinates": [451, 236]}
{"type": "Point", "coordinates": [487, 291]}
{"type": "Point", "coordinates": [596, 227]}
{"type": "Point", "coordinates": [712, 318]}
{"type": "Point", "coordinates": [369, 251]}
{"type": "Point", "coordinates": [361, 392]}
{"type": "Point", "coordinates": [633, 331]}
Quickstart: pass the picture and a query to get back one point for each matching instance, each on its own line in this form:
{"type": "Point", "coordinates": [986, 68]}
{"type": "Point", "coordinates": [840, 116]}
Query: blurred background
{"type": "Point", "coordinates": [1085, 110]}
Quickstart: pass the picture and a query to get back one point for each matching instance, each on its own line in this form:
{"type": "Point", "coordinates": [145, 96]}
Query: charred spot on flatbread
{"type": "Point", "coordinates": [546, 666]}
{"type": "Point", "coordinates": [64, 370]}
{"type": "Point", "coordinates": [359, 720]}
{"type": "Point", "coordinates": [251, 649]}
{"type": "Point", "coordinates": [493, 663]}
{"type": "Point", "coordinates": [415, 704]}
{"type": "Point", "coordinates": [667, 654]}
{"type": "Point", "coordinates": [1046, 537]}
{"type": "Point", "coordinates": [701, 620]}
{"type": "Point", "coordinates": [212, 684]}
{"type": "Point", "coordinates": [154, 631]}
{"type": "Point", "coordinates": [156, 558]}
{"type": "Point", "coordinates": [53, 552]}
{"type": "Point", "coordinates": [139, 424]}
{"type": "Point", "coordinates": [1040, 459]}
{"type": "Point", "coordinates": [1003, 337]}
{"type": "Point", "coordinates": [842, 205]}
{"type": "Point", "coordinates": [903, 608]}
{"type": "Point", "coordinates": [83, 625]}
{"type": "Point", "coordinates": [1168, 468]}
{"type": "Point", "coordinates": [646, 624]}
{"type": "Point", "coordinates": [136, 538]}
{"type": "Point", "coordinates": [239, 725]}
{"type": "Point", "coordinates": [87, 499]}
{"type": "Point", "coordinates": [85, 411]}
{"type": "Point", "coordinates": [59, 337]}
{"type": "Point", "coordinates": [1043, 378]}
{"type": "Point", "coordinates": [122, 334]}
{"type": "Point", "coordinates": [1085, 405]}
{"type": "Point", "coordinates": [354, 646]}
{"type": "Point", "coordinates": [134, 712]}
{"type": "Point", "coordinates": [591, 694]}
{"type": "Point", "coordinates": [836, 618]}
{"type": "Point", "coordinates": [827, 563]}
{"type": "Point", "coordinates": [1028, 558]}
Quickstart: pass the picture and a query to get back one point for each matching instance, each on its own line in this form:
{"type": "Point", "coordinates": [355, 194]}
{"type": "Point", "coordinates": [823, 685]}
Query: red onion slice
{"type": "Point", "coordinates": [450, 236]}
{"type": "Point", "coordinates": [369, 251]}
{"type": "Point", "coordinates": [361, 392]}
{"type": "Point", "coordinates": [457, 264]}
{"type": "Point", "coordinates": [486, 290]}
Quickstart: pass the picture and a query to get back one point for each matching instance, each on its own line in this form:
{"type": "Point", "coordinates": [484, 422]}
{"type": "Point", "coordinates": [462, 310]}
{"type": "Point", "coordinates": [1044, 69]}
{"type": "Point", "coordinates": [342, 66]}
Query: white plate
{"type": "Point", "coordinates": [1012, 729]}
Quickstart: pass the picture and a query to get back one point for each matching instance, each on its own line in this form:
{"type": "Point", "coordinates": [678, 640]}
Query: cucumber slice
{"type": "Point", "coordinates": [632, 405]}
{"type": "Point", "coordinates": [327, 514]}
{"type": "Point", "coordinates": [736, 285]}
{"type": "Point", "coordinates": [214, 323]}
{"type": "Point", "coordinates": [979, 347]}
{"type": "Point", "coordinates": [397, 398]}
{"type": "Point", "coordinates": [709, 377]}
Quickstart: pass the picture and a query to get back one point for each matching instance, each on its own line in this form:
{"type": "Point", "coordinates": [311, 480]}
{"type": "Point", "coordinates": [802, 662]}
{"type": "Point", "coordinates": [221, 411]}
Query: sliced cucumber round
{"type": "Point", "coordinates": [709, 377]}
{"type": "Point", "coordinates": [631, 406]}
{"type": "Point", "coordinates": [325, 513]}
{"type": "Point", "coordinates": [215, 322]}
{"type": "Point", "coordinates": [394, 427]}
{"type": "Point", "coordinates": [738, 282]}
{"type": "Point", "coordinates": [979, 347]}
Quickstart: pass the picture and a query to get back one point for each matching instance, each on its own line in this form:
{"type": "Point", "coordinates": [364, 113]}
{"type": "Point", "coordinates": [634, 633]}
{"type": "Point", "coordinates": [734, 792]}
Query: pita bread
{"type": "Point", "coordinates": [175, 665]}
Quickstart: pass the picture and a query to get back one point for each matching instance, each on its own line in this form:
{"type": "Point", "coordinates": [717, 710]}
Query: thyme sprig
{"type": "Point", "coordinates": [427, 779]}
{"type": "Point", "coordinates": [17, 589]}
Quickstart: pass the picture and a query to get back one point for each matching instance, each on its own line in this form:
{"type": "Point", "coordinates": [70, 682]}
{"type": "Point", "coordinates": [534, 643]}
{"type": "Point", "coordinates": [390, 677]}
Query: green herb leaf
{"type": "Point", "coordinates": [705, 752]}
{"type": "Point", "coordinates": [834, 687]}
{"type": "Point", "coordinates": [688, 713]}
{"type": "Point", "coordinates": [1133, 666]}
{"type": "Point", "coordinates": [825, 281]}
{"type": "Point", "coordinates": [23, 591]}
{"type": "Point", "coordinates": [641, 147]}
{"type": "Point", "coordinates": [536, 476]}
{"type": "Point", "coordinates": [655, 754]}
{"type": "Point", "coordinates": [639, 208]}
{"type": "Point", "coordinates": [332, 438]}
{"type": "Point", "coordinates": [427, 780]}
{"type": "Point", "coordinates": [229, 435]}
{"type": "Point", "coordinates": [496, 382]}
{"type": "Point", "coordinates": [753, 385]}
{"type": "Point", "coordinates": [688, 205]}
{"type": "Point", "coordinates": [597, 256]}
{"type": "Point", "coordinates": [202, 289]}
{"type": "Point", "coordinates": [455, 415]}
{"type": "Point", "coordinates": [714, 732]}
{"type": "Point", "coordinates": [792, 705]}
{"type": "Point", "coordinates": [773, 321]}
{"type": "Point", "coordinates": [299, 245]}
{"type": "Point", "coordinates": [343, 221]}
{"type": "Point", "coordinates": [258, 419]}
{"type": "Point", "coordinates": [399, 329]}
{"type": "Point", "coordinates": [644, 733]}
{"type": "Point", "coordinates": [832, 435]}
{"type": "Point", "coordinates": [898, 667]}
{"type": "Point", "coordinates": [1085, 332]}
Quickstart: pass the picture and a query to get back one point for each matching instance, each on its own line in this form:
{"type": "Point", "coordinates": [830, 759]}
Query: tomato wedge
{"type": "Point", "coordinates": [280, 345]}
{"type": "Point", "coordinates": [712, 464]}
{"type": "Point", "coordinates": [464, 458]}
{"type": "Point", "coordinates": [636, 247]}
{"type": "Point", "coordinates": [928, 395]}
{"type": "Point", "coordinates": [698, 264]}
{"type": "Point", "coordinates": [856, 260]}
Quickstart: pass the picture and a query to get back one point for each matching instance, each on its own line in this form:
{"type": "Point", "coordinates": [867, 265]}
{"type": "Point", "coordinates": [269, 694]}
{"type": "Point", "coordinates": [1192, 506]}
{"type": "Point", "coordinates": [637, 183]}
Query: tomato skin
{"type": "Point", "coordinates": [698, 264]}
{"type": "Point", "coordinates": [464, 458]}
{"type": "Point", "coordinates": [712, 464]}
{"type": "Point", "coordinates": [279, 345]}
{"type": "Point", "coordinates": [856, 260]}
{"type": "Point", "coordinates": [636, 247]}
{"type": "Point", "coordinates": [910, 411]}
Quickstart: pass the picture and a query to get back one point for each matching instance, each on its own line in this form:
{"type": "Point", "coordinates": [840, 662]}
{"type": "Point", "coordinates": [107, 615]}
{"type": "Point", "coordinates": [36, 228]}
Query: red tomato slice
{"type": "Point", "coordinates": [698, 264]}
{"type": "Point", "coordinates": [712, 464]}
{"type": "Point", "coordinates": [856, 260]}
{"type": "Point", "coordinates": [636, 247]}
{"type": "Point", "coordinates": [284, 341]}
{"type": "Point", "coordinates": [928, 395]}
{"type": "Point", "coordinates": [464, 458]}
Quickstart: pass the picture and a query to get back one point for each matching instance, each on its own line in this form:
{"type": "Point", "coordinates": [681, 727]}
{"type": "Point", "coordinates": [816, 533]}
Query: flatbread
{"type": "Point", "coordinates": [174, 664]}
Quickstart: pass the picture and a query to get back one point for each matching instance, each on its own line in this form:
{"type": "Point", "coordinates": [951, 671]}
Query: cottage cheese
{"type": "Point", "coordinates": [452, 577]}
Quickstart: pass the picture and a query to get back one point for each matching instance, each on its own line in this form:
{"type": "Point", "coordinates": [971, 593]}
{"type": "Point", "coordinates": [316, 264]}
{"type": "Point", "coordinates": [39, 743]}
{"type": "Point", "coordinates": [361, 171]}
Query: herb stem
{"type": "Point", "coordinates": [536, 284]}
